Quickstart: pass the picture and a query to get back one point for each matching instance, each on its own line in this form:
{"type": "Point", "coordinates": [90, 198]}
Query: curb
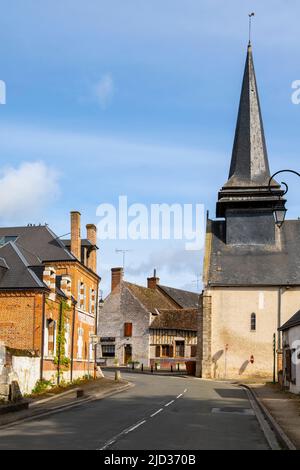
{"type": "Point", "coordinates": [53, 397]}
{"type": "Point", "coordinates": [147, 372]}
{"type": "Point", "coordinates": [67, 406]}
{"type": "Point", "coordinates": [281, 436]}
{"type": "Point", "coordinates": [14, 407]}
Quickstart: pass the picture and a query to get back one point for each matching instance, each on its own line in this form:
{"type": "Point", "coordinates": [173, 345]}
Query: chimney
{"type": "Point", "coordinates": [153, 282]}
{"type": "Point", "coordinates": [91, 234]}
{"type": "Point", "coordinates": [75, 234]}
{"type": "Point", "coordinates": [116, 278]}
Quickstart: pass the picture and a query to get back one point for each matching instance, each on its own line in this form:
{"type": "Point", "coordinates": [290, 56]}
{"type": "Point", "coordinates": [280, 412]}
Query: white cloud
{"type": "Point", "coordinates": [171, 260]}
{"type": "Point", "coordinates": [26, 190]}
{"type": "Point", "coordinates": [104, 90]}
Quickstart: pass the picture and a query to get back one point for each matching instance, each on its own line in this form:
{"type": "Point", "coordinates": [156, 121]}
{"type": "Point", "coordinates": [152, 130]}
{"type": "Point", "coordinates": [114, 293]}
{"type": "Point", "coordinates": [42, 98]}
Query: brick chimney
{"type": "Point", "coordinates": [153, 282]}
{"type": "Point", "coordinates": [91, 234]}
{"type": "Point", "coordinates": [117, 275]}
{"type": "Point", "coordinates": [75, 234]}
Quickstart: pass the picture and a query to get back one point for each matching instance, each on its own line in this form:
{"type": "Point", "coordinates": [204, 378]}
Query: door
{"type": "Point", "coordinates": [127, 353]}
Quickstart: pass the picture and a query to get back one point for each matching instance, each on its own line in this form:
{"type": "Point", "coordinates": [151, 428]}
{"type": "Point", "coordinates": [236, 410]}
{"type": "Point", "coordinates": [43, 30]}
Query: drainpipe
{"type": "Point", "coordinates": [43, 337]}
{"type": "Point", "coordinates": [280, 291]}
{"type": "Point", "coordinates": [96, 331]}
{"type": "Point", "coordinates": [72, 342]}
{"type": "Point", "coordinates": [59, 344]}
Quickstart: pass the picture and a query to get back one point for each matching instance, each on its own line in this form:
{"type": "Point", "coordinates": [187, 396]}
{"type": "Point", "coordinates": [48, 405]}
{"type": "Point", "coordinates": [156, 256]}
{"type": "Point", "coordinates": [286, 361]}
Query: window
{"type": "Point", "coordinates": [288, 365]}
{"type": "Point", "coordinates": [108, 350]}
{"type": "Point", "coordinates": [80, 343]}
{"type": "Point", "coordinates": [81, 295]}
{"type": "Point", "coordinates": [167, 350]}
{"type": "Point", "coordinates": [50, 338]}
{"type": "Point", "coordinates": [293, 367]}
{"type": "Point", "coordinates": [253, 322]}
{"type": "Point", "coordinates": [7, 239]}
{"type": "Point", "coordinates": [179, 348]}
{"type": "Point", "coordinates": [193, 351]}
{"type": "Point", "coordinates": [128, 329]}
{"type": "Point", "coordinates": [157, 351]}
{"type": "Point", "coordinates": [67, 340]}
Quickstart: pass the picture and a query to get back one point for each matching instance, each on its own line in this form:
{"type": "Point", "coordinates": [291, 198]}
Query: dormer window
{"type": "Point", "coordinates": [7, 239]}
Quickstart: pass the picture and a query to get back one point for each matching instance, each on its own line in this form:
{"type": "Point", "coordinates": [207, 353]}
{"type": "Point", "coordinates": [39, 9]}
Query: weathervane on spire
{"type": "Point", "coordinates": [250, 24]}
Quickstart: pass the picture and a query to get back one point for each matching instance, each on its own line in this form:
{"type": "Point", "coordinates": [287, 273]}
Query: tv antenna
{"type": "Point", "coordinates": [123, 252]}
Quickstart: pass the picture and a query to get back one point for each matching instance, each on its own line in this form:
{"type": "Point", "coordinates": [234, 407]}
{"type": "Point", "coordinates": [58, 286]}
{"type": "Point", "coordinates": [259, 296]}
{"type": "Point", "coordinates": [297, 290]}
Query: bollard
{"type": "Point", "coordinates": [79, 393]}
{"type": "Point", "coordinates": [151, 369]}
{"type": "Point", "coordinates": [171, 368]}
{"type": "Point", "coordinates": [178, 367]}
{"type": "Point", "coordinates": [142, 368]}
{"type": "Point", "coordinates": [117, 375]}
{"type": "Point", "coordinates": [133, 366]}
{"type": "Point", "coordinates": [156, 367]}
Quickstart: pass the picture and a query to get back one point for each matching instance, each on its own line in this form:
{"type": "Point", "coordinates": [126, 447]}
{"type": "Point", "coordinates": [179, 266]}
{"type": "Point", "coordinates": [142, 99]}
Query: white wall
{"type": "Point", "coordinates": [292, 338]}
{"type": "Point", "coordinates": [231, 313]}
{"type": "Point", "coordinates": [27, 372]}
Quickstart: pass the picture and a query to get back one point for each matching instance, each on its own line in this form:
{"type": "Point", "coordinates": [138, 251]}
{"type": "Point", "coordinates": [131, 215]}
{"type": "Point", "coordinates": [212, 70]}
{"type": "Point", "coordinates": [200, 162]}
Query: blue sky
{"type": "Point", "coordinates": [133, 97]}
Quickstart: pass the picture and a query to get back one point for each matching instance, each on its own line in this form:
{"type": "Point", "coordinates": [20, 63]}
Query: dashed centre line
{"type": "Point", "coordinates": [156, 413]}
{"type": "Point", "coordinates": [134, 427]}
{"type": "Point", "coordinates": [170, 403]}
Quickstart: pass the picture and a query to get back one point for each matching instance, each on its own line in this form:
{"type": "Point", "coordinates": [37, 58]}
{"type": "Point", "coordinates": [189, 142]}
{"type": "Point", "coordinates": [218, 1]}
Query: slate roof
{"type": "Point", "coordinates": [255, 265]}
{"type": "Point", "coordinates": [249, 164]}
{"type": "Point", "coordinates": [151, 299]}
{"type": "Point", "coordinates": [38, 244]}
{"type": "Point", "coordinates": [18, 274]}
{"type": "Point", "coordinates": [21, 261]}
{"type": "Point", "coordinates": [84, 242]}
{"type": "Point", "coordinates": [176, 319]}
{"type": "Point", "coordinates": [183, 298]}
{"type": "Point", "coordinates": [294, 321]}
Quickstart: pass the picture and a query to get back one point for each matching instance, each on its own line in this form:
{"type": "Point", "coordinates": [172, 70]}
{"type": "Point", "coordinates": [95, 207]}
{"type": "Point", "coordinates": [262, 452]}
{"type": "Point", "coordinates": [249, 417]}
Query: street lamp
{"type": "Point", "coordinates": [279, 210]}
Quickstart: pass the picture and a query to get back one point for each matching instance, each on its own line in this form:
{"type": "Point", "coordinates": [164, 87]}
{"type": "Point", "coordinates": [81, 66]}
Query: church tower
{"type": "Point", "coordinates": [246, 201]}
{"type": "Point", "coordinates": [251, 272]}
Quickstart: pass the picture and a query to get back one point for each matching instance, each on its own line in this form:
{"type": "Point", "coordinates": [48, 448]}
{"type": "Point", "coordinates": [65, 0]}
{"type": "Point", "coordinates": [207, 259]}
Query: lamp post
{"type": "Point", "coordinates": [280, 210]}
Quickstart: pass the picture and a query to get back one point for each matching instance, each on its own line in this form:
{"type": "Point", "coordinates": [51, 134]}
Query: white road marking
{"type": "Point", "coordinates": [170, 403]}
{"type": "Point", "coordinates": [156, 413]}
{"type": "Point", "coordinates": [136, 426]}
{"type": "Point", "coordinates": [133, 428]}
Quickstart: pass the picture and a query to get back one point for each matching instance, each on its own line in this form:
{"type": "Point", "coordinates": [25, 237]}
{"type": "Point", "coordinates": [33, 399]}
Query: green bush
{"type": "Point", "coordinates": [42, 386]}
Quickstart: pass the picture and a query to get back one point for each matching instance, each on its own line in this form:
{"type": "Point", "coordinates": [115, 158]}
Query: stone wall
{"type": "Point", "coordinates": [236, 351]}
{"type": "Point", "coordinates": [119, 308]}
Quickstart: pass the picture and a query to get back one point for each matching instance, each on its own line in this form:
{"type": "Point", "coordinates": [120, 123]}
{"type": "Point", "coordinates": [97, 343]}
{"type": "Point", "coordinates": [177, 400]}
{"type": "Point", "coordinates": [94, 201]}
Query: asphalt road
{"type": "Point", "coordinates": [169, 413]}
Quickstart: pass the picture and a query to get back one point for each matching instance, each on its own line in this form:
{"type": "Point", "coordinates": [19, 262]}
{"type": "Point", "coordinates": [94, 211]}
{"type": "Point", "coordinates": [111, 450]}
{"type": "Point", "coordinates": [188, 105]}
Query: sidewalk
{"type": "Point", "coordinates": [162, 372]}
{"type": "Point", "coordinates": [284, 407]}
{"type": "Point", "coordinates": [50, 403]}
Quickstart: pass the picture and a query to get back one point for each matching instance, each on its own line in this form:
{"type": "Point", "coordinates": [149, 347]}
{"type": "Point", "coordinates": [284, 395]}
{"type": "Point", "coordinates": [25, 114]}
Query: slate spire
{"type": "Point", "coordinates": [249, 163]}
{"type": "Point", "coordinates": [249, 175]}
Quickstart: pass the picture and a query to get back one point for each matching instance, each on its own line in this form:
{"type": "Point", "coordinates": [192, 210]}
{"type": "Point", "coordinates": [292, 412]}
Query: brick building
{"type": "Point", "coordinates": [48, 296]}
{"type": "Point", "coordinates": [153, 324]}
